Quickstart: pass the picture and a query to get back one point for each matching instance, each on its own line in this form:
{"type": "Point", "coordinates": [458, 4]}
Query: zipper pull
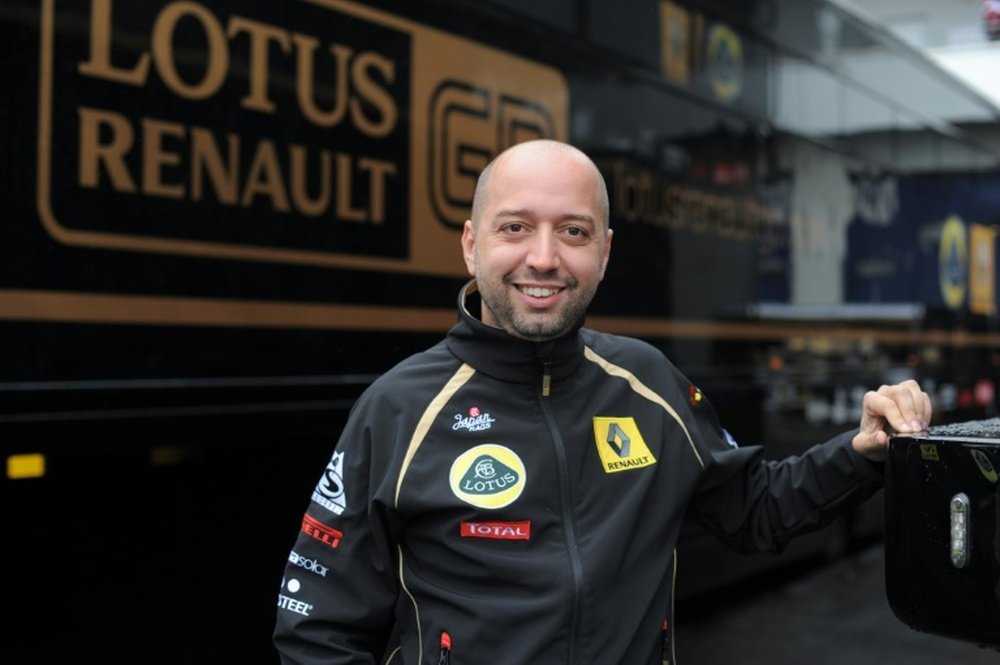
{"type": "Point", "coordinates": [445, 657]}
{"type": "Point", "coordinates": [546, 378]}
{"type": "Point", "coordinates": [665, 644]}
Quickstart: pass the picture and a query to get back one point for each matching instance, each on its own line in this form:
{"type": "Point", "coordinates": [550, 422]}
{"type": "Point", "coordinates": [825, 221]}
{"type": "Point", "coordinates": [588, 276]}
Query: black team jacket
{"type": "Point", "coordinates": [493, 500]}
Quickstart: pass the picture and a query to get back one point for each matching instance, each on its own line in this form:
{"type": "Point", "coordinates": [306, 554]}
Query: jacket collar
{"type": "Point", "coordinates": [501, 355]}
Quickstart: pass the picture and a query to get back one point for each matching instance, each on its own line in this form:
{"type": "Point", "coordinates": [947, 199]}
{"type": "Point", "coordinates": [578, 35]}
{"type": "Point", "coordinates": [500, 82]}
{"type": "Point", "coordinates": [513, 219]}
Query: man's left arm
{"type": "Point", "coordinates": [754, 504]}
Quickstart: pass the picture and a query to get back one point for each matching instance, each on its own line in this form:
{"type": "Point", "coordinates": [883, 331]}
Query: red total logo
{"type": "Point", "coordinates": [497, 530]}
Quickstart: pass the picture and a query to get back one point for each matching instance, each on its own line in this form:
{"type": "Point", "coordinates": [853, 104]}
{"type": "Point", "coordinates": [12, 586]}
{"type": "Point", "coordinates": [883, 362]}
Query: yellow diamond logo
{"type": "Point", "coordinates": [620, 444]}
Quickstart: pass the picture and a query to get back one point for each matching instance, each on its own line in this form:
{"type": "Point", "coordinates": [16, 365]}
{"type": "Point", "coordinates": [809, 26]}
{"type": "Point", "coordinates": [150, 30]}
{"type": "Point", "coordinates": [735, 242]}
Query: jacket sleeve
{"type": "Point", "coordinates": [338, 590]}
{"type": "Point", "coordinates": [758, 505]}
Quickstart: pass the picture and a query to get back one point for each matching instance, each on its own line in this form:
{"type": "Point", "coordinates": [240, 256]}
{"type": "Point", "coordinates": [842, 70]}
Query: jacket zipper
{"type": "Point", "coordinates": [569, 529]}
{"type": "Point", "coordinates": [665, 642]}
{"type": "Point", "coordinates": [445, 657]}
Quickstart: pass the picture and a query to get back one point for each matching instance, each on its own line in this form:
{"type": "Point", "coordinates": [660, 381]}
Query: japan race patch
{"type": "Point", "coordinates": [488, 476]}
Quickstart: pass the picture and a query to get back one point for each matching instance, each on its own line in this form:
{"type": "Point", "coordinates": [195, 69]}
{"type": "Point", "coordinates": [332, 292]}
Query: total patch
{"type": "Point", "coordinates": [620, 444]}
{"type": "Point", "coordinates": [488, 476]}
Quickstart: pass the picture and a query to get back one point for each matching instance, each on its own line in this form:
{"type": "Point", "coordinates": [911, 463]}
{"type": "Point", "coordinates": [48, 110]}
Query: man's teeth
{"type": "Point", "coordinates": [539, 292]}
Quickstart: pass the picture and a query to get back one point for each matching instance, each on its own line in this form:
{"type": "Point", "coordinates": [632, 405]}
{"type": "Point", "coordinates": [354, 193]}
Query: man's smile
{"type": "Point", "coordinates": [539, 291]}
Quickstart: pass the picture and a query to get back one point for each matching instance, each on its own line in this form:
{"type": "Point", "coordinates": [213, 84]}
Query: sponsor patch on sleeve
{"type": "Point", "coordinates": [321, 532]}
{"type": "Point", "coordinates": [287, 600]}
{"type": "Point", "coordinates": [329, 492]}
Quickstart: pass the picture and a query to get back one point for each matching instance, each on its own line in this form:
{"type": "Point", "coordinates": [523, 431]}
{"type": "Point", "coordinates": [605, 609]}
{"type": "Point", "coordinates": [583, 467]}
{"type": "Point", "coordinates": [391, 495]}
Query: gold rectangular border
{"type": "Point", "coordinates": [124, 242]}
{"type": "Point", "coordinates": [116, 309]}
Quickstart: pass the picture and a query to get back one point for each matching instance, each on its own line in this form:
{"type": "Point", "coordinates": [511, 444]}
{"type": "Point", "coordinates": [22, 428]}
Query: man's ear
{"type": "Point", "coordinates": [469, 247]}
{"type": "Point", "coordinates": [607, 252]}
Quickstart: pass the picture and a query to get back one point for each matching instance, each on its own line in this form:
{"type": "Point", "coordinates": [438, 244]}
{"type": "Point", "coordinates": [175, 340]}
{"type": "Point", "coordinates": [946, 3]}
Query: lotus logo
{"type": "Point", "coordinates": [488, 476]}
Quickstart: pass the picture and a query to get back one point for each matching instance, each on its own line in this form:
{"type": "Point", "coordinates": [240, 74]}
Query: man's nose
{"type": "Point", "coordinates": [544, 253]}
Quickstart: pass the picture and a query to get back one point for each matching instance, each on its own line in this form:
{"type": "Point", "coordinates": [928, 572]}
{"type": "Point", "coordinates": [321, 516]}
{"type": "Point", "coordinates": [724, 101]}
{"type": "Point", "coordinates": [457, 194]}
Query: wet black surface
{"type": "Point", "coordinates": [973, 429]}
{"type": "Point", "coordinates": [832, 614]}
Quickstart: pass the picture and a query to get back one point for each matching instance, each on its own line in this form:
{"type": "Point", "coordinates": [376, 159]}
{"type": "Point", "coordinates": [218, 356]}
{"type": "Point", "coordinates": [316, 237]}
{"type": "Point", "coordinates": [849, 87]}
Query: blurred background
{"type": "Point", "coordinates": [222, 220]}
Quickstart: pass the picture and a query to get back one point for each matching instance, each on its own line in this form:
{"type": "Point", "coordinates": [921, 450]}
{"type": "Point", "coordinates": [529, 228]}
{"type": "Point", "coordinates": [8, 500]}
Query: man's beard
{"type": "Point", "coordinates": [539, 327]}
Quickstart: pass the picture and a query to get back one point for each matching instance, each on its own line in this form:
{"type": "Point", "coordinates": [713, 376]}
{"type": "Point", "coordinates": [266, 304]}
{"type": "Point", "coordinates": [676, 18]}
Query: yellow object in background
{"type": "Point", "coordinates": [31, 465]}
{"type": "Point", "coordinates": [982, 269]}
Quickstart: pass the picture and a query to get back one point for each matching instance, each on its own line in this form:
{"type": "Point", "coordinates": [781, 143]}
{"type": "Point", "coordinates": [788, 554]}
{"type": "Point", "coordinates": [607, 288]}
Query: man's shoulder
{"type": "Point", "coordinates": [621, 346]}
{"type": "Point", "coordinates": [423, 367]}
{"type": "Point", "coordinates": [642, 359]}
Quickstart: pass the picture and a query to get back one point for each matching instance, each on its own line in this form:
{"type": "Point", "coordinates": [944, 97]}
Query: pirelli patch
{"type": "Point", "coordinates": [620, 444]}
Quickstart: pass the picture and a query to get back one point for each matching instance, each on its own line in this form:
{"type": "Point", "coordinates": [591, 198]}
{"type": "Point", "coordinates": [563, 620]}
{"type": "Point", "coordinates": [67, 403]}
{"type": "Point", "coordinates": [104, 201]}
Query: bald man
{"type": "Point", "coordinates": [515, 493]}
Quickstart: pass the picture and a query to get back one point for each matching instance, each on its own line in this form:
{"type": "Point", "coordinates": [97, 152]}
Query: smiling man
{"type": "Point", "coordinates": [539, 239]}
{"type": "Point", "coordinates": [515, 493]}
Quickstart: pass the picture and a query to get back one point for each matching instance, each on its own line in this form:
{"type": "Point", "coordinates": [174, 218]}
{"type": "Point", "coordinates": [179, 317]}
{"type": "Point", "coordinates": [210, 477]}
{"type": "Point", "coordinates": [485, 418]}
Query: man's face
{"type": "Point", "coordinates": [540, 247]}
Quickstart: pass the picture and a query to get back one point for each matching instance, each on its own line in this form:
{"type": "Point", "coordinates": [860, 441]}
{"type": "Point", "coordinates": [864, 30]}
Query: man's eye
{"type": "Point", "coordinates": [576, 232]}
{"type": "Point", "coordinates": [514, 228]}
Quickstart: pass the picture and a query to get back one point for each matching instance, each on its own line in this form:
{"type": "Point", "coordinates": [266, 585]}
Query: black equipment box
{"type": "Point", "coordinates": [942, 549]}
